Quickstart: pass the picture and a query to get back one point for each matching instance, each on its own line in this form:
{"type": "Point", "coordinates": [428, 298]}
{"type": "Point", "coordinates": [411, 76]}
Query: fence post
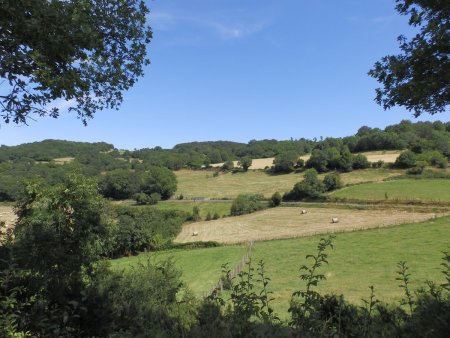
{"type": "Point", "coordinates": [237, 269]}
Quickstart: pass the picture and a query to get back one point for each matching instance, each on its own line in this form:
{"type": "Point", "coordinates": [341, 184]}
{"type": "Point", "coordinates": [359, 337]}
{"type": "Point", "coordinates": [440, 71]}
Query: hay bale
{"type": "Point", "coordinates": [304, 211]}
{"type": "Point", "coordinates": [195, 233]}
{"type": "Point", "coordinates": [335, 220]}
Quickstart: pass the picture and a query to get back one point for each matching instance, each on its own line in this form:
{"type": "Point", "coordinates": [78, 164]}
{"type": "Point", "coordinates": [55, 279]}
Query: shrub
{"type": "Point", "coordinates": [245, 163]}
{"type": "Point", "coordinates": [227, 166]}
{"type": "Point", "coordinates": [246, 204]}
{"type": "Point", "coordinates": [406, 159]}
{"type": "Point", "coordinates": [154, 198]}
{"type": "Point", "coordinates": [417, 170]}
{"type": "Point", "coordinates": [318, 160]}
{"type": "Point", "coordinates": [332, 182]}
{"type": "Point", "coordinates": [275, 200]}
{"type": "Point", "coordinates": [310, 187]}
{"type": "Point", "coordinates": [439, 161]}
{"type": "Point", "coordinates": [360, 162]}
{"type": "Point", "coordinates": [284, 162]}
{"type": "Point", "coordinates": [378, 164]}
{"type": "Point", "coordinates": [140, 229]}
{"type": "Point", "coordinates": [142, 198]}
{"type": "Point", "coordinates": [195, 214]}
{"type": "Point", "coordinates": [300, 163]}
{"type": "Point", "coordinates": [140, 302]}
{"type": "Point", "coordinates": [160, 180]}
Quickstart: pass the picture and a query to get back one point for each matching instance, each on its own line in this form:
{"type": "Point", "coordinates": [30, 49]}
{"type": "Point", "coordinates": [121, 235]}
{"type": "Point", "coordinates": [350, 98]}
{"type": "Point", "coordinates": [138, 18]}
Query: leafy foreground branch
{"type": "Point", "coordinates": [53, 283]}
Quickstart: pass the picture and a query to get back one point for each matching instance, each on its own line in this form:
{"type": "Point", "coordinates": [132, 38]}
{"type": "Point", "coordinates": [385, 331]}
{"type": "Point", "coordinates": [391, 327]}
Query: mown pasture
{"type": "Point", "coordinates": [359, 259]}
{"type": "Point", "coordinates": [222, 208]}
{"type": "Point", "coordinates": [203, 183]}
{"type": "Point", "coordinates": [288, 222]}
{"type": "Point", "coordinates": [431, 190]}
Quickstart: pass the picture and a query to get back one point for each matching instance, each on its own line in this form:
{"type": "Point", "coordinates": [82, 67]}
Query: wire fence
{"type": "Point", "coordinates": [237, 269]}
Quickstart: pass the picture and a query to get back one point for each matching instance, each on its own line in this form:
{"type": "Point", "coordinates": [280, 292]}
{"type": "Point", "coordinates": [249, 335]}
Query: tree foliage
{"type": "Point", "coordinates": [56, 232]}
{"type": "Point", "coordinates": [419, 77]}
{"type": "Point", "coordinates": [245, 163]}
{"type": "Point", "coordinates": [285, 162]}
{"type": "Point", "coordinates": [406, 159]}
{"type": "Point", "coordinates": [332, 182]}
{"type": "Point", "coordinates": [276, 199]}
{"type": "Point", "coordinates": [309, 187]}
{"type": "Point", "coordinates": [83, 52]}
{"type": "Point", "coordinates": [246, 204]}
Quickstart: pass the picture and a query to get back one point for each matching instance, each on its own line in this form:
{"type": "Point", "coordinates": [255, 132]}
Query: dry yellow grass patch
{"type": "Point", "coordinates": [286, 222]}
{"type": "Point", "coordinates": [63, 160]}
{"type": "Point", "coordinates": [388, 156]}
{"type": "Point", "coordinates": [257, 163]}
{"type": "Point", "coordinates": [7, 215]}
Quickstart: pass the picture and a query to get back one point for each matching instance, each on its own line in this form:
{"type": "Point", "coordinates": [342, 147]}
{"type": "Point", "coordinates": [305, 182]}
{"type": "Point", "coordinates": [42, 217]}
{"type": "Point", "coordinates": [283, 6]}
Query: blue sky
{"type": "Point", "coordinates": [247, 69]}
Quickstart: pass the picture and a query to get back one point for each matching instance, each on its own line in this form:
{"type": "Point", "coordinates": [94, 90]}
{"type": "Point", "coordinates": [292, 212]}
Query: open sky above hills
{"type": "Point", "coordinates": [240, 70]}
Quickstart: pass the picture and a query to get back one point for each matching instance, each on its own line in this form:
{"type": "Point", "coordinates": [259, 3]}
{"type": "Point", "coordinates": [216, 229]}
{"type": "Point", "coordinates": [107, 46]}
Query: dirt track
{"type": "Point", "coordinates": [7, 215]}
{"type": "Point", "coordinates": [285, 222]}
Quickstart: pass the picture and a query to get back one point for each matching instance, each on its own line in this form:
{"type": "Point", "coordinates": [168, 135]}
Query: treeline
{"type": "Point", "coordinates": [418, 137]}
{"type": "Point", "coordinates": [201, 154]}
{"type": "Point", "coordinates": [48, 150]}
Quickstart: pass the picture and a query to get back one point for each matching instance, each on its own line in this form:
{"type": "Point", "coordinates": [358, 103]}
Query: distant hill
{"type": "Point", "coordinates": [48, 150]}
{"type": "Point", "coordinates": [419, 137]}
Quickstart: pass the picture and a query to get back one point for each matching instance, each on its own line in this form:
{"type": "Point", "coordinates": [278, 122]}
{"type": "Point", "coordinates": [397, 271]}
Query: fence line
{"type": "Point", "coordinates": [237, 269]}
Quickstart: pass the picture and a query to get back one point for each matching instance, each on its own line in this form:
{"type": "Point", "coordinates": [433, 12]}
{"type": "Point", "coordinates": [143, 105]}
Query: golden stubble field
{"type": "Point", "coordinates": [287, 222]}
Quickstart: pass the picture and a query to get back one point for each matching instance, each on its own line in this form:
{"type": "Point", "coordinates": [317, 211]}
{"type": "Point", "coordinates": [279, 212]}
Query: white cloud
{"type": "Point", "coordinates": [217, 23]}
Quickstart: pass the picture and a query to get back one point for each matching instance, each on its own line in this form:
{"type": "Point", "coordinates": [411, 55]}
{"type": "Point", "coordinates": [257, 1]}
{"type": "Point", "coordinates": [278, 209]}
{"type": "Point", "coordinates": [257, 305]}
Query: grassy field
{"type": "Point", "coordinates": [288, 222]}
{"type": "Point", "coordinates": [359, 259]}
{"type": "Point", "coordinates": [196, 183]}
{"type": "Point", "coordinates": [221, 207]}
{"type": "Point", "coordinates": [405, 189]}
{"type": "Point", "coordinates": [201, 267]}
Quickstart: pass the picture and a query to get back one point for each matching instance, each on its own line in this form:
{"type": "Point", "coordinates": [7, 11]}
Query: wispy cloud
{"type": "Point", "coordinates": [383, 19]}
{"type": "Point", "coordinates": [215, 23]}
{"type": "Point", "coordinates": [377, 20]}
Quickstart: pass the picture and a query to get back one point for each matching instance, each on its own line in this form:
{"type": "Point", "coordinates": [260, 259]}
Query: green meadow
{"type": "Point", "coordinates": [201, 267]}
{"type": "Point", "coordinates": [359, 259]}
{"type": "Point", "coordinates": [222, 208]}
{"type": "Point", "coordinates": [404, 189]}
